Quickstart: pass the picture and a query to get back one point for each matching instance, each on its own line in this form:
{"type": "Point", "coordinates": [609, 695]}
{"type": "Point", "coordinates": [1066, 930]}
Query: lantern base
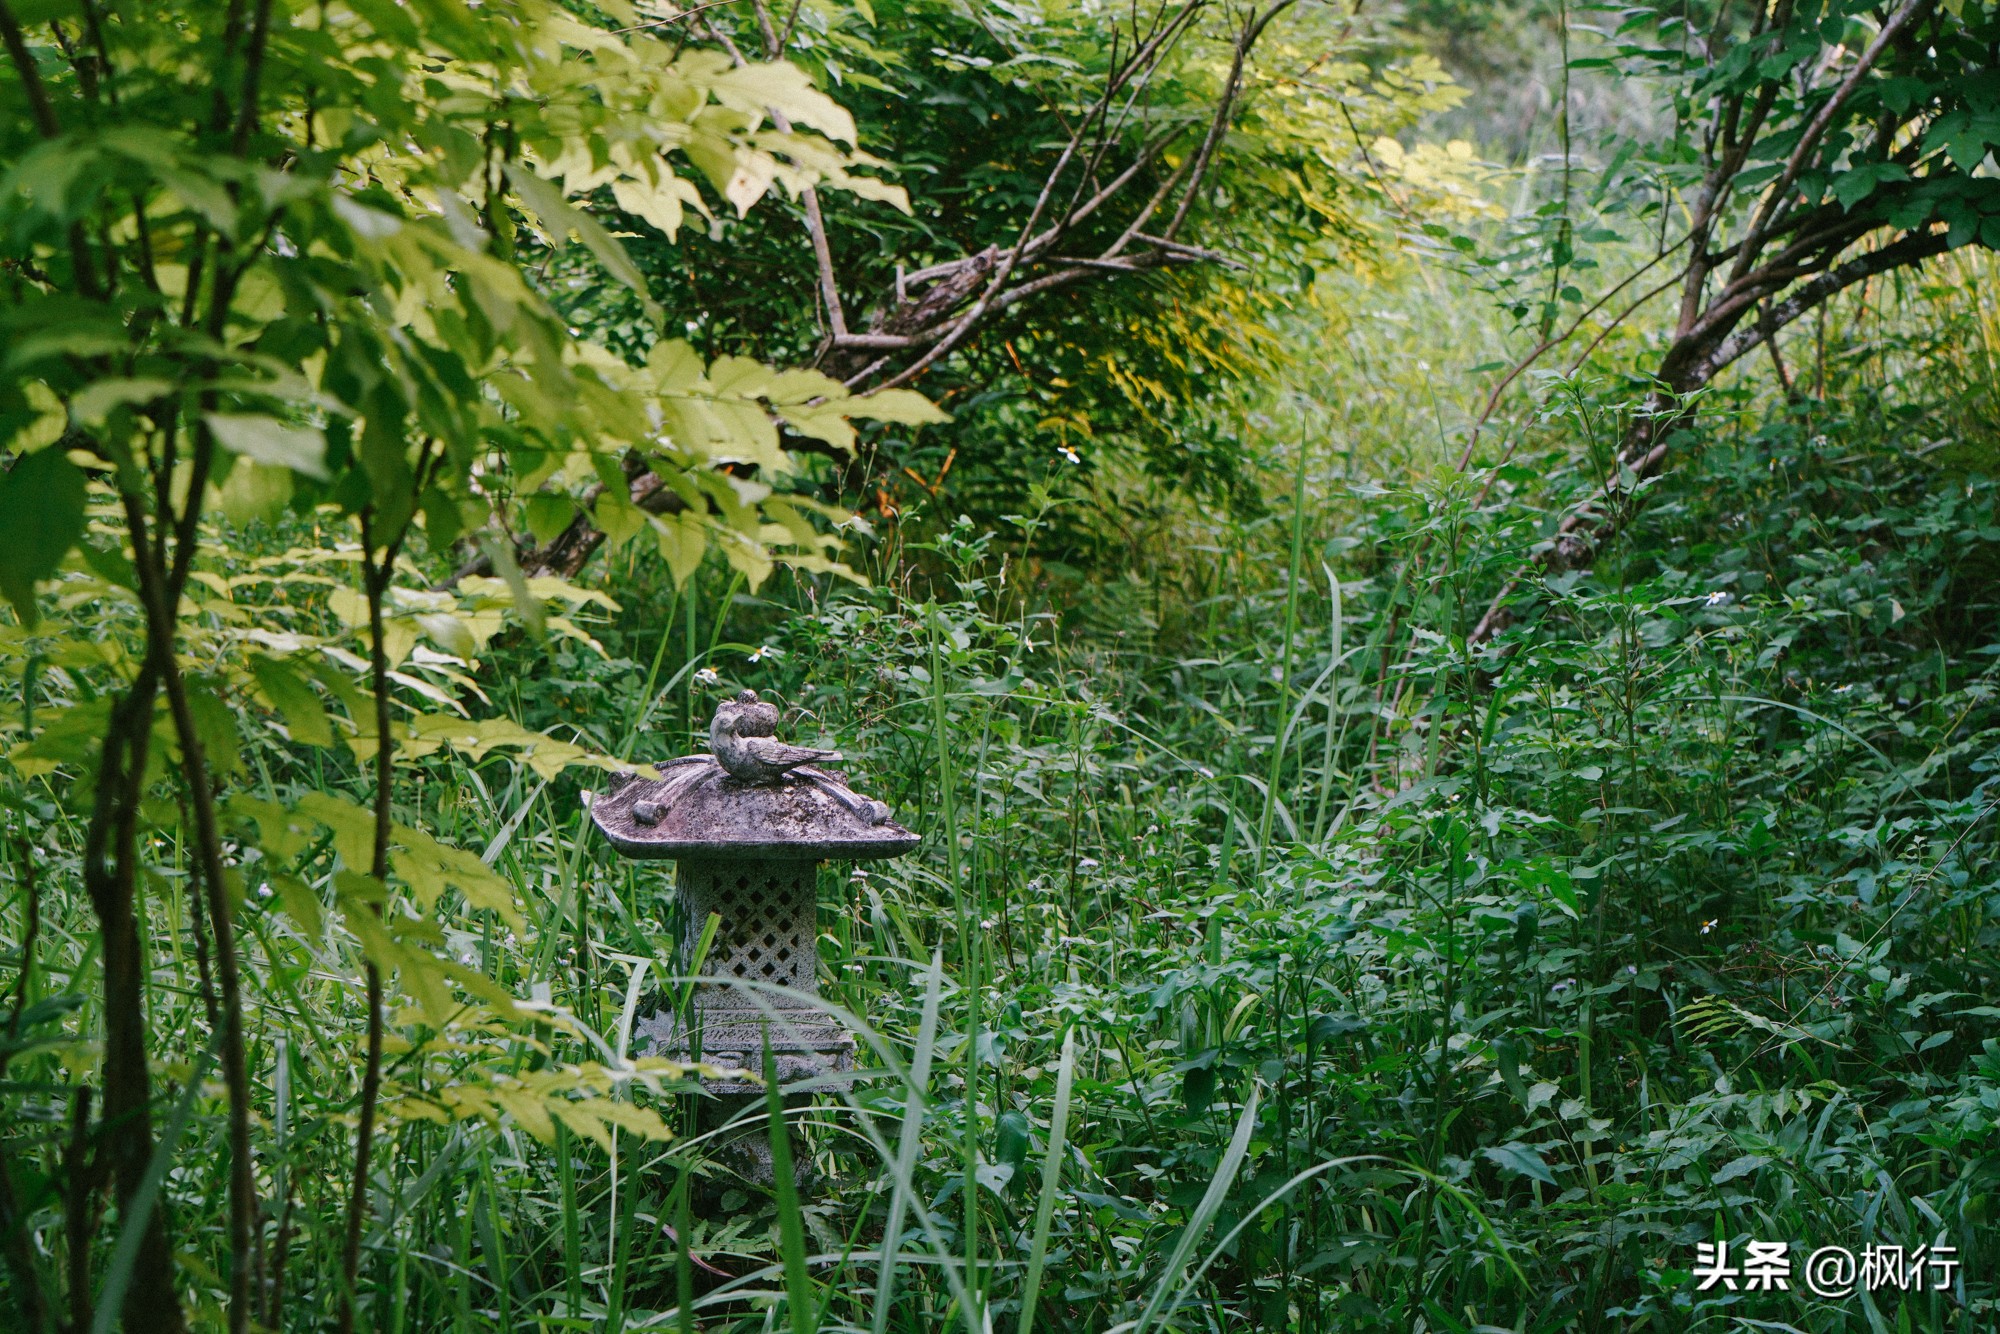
{"type": "Point", "coordinates": [743, 1144]}
{"type": "Point", "coordinates": [805, 1045]}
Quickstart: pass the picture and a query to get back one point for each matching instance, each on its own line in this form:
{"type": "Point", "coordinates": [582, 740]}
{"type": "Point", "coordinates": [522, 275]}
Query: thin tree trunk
{"type": "Point", "coordinates": [15, 1239]}
{"type": "Point", "coordinates": [110, 874]}
{"type": "Point", "coordinates": [375, 578]}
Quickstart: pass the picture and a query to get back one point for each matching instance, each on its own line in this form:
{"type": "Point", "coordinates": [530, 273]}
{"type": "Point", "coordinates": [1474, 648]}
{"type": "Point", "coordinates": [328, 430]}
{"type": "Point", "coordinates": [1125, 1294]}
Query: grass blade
{"type": "Point", "coordinates": [909, 1142]}
{"type": "Point", "coordinates": [799, 1302]}
{"type": "Point", "coordinates": [1197, 1224]}
{"type": "Point", "coordinates": [1045, 1207]}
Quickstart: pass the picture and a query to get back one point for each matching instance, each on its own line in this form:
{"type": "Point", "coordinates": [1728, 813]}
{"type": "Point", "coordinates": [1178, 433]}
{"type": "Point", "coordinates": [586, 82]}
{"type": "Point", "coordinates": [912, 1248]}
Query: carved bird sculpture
{"type": "Point", "coordinates": [753, 716]}
{"type": "Point", "coordinates": [742, 737]}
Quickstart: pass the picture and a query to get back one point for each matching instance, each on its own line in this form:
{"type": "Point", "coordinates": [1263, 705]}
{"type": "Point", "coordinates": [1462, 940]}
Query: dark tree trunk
{"type": "Point", "coordinates": [110, 874]}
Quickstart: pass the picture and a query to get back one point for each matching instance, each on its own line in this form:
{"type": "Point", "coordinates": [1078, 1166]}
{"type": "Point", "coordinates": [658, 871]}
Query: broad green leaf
{"type": "Point", "coordinates": [301, 904]}
{"type": "Point", "coordinates": [305, 717]}
{"type": "Point", "coordinates": [430, 868]}
{"type": "Point", "coordinates": [281, 836]}
{"type": "Point", "coordinates": [215, 729]}
{"type": "Point", "coordinates": [903, 406]}
{"type": "Point", "coordinates": [559, 218]}
{"type": "Point", "coordinates": [1518, 1157]}
{"type": "Point", "coordinates": [254, 491]}
{"type": "Point", "coordinates": [70, 736]}
{"type": "Point", "coordinates": [268, 440]}
{"type": "Point", "coordinates": [784, 87]}
{"type": "Point", "coordinates": [41, 518]}
{"type": "Point", "coordinates": [548, 514]}
{"type": "Point", "coordinates": [353, 828]}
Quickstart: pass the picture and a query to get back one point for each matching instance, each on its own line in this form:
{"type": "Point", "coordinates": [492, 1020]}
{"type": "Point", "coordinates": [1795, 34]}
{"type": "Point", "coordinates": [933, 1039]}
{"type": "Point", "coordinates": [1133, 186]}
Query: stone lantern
{"type": "Point", "coordinates": [747, 827]}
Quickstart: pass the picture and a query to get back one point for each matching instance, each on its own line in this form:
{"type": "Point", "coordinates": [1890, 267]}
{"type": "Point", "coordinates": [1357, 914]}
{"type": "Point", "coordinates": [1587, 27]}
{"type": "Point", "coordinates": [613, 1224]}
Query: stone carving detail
{"type": "Point", "coordinates": [767, 931]}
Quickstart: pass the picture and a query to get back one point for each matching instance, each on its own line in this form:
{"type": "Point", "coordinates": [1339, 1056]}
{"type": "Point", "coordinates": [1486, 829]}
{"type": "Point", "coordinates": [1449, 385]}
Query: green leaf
{"type": "Point", "coordinates": [1507, 1056]}
{"type": "Point", "coordinates": [215, 728]}
{"type": "Point", "coordinates": [559, 218]}
{"type": "Point", "coordinates": [74, 736]}
{"type": "Point", "coordinates": [353, 828]}
{"type": "Point", "coordinates": [1517, 1157]}
{"type": "Point", "coordinates": [305, 717]}
{"type": "Point", "coordinates": [41, 518]}
{"type": "Point", "coordinates": [548, 515]}
{"type": "Point", "coordinates": [300, 904]}
{"type": "Point", "coordinates": [430, 868]}
{"type": "Point", "coordinates": [1010, 1139]}
{"type": "Point", "coordinates": [501, 552]}
{"type": "Point", "coordinates": [280, 836]}
{"type": "Point", "coordinates": [906, 407]}
{"type": "Point", "coordinates": [255, 491]}
{"type": "Point", "coordinates": [268, 440]}
{"type": "Point", "coordinates": [1739, 1167]}
{"type": "Point", "coordinates": [92, 404]}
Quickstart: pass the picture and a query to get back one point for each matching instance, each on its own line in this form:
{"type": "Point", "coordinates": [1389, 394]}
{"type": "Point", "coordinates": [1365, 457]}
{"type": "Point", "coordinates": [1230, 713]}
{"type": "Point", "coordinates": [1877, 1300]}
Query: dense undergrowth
{"type": "Point", "coordinates": [1392, 985]}
{"type": "Point", "coordinates": [1408, 987]}
{"type": "Point", "coordinates": [1275, 956]}
{"type": "Point", "coordinates": [1382, 984]}
{"type": "Point", "coordinates": [1666, 921]}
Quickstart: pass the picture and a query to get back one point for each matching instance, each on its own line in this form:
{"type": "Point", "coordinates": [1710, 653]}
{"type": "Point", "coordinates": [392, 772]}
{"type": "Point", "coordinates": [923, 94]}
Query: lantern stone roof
{"type": "Point", "coordinates": [696, 808]}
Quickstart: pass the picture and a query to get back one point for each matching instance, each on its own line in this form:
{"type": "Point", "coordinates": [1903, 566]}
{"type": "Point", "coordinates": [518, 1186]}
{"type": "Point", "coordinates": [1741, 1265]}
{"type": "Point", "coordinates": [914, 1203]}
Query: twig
{"type": "Point", "coordinates": [1586, 529]}
{"type": "Point", "coordinates": [31, 932]}
{"type": "Point", "coordinates": [681, 17]}
{"type": "Point", "coordinates": [1556, 340]}
{"type": "Point", "coordinates": [37, 92]}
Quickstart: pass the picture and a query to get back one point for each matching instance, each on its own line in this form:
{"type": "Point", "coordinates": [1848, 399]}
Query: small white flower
{"type": "Point", "coordinates": [707, 676]}
{"type": "Point", "coordinates": [1069, 452]}
{"type": "Point", "coordinates": [1087, 864]}
{"type": "Point", "coordinates": [1718, 598]}
{"type": "Point", "coordinates": [764, 651]}
{"type": "Point", "coordinates": [1710, 925]}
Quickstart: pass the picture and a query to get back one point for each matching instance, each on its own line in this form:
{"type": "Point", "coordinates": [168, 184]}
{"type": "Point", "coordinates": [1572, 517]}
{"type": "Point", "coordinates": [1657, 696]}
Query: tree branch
{"type": "Point", "coordinates": [1817, 127]}
{"type": "Point", "coordinates": [1689, 365]}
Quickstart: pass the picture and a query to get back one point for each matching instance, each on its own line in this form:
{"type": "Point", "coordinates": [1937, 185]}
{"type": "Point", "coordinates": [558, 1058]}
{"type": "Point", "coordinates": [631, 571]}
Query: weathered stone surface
{"type": "Point", "coordinates": [763, 959]}
{"type": "Point", "coordinates": [695, 809]}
